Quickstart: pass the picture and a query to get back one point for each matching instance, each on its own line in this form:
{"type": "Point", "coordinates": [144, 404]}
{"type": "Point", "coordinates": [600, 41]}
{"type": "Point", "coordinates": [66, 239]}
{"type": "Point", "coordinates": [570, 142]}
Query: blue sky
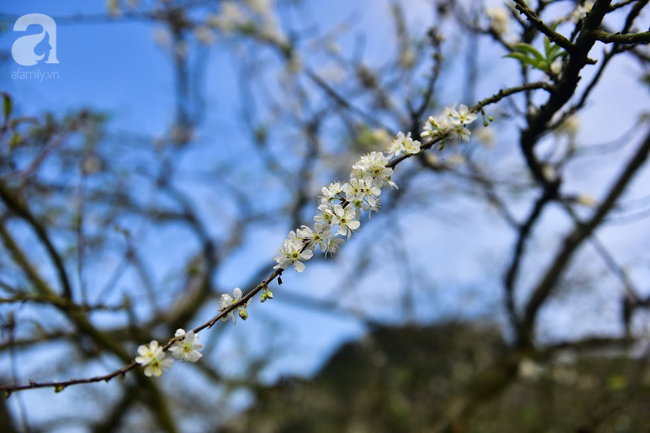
{"type": "Point", "coordinates": [112, 66]}
{"type": "Point", "coordinates": [117, 67]}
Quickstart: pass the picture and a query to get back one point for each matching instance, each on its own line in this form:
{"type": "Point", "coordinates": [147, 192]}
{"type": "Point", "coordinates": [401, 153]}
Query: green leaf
{"type": "Point", "coordinates": [529, 49]}
{"type": "Point", "coordinates": [548, 47]}
{"type": "Point", "coordinates": [559, 55]}
{"type": "Point", "coordinates": [553, 51]}
{"type": "Point", "coordinates": [525, 60]}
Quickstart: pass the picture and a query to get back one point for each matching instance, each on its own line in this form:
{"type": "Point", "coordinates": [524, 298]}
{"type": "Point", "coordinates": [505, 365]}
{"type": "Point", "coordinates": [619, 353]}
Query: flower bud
{"type": "Point", "coordinates": [243, 314]}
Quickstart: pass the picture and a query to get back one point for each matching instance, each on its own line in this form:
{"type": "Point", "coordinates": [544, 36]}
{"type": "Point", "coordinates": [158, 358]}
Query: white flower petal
{"type": "Point", "coordinates": [299, 266]}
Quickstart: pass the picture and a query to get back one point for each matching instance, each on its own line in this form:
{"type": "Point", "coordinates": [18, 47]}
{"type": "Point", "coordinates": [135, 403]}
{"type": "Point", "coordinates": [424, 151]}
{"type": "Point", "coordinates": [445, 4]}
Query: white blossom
{"type": "Point", "coordinates": [230, 17]}
{"type": "Point", "coordinates": [586, 200]}
{"type": "Point", "coordinates": [486, 136]}
{"type": "Point", "coordinates": [345, 219]}
{"type": "Point", "coordinates": [371, 206]}
{"type": "Point", "coordinates": [373, 165]}
{"type": "Point", "coordinates": [204, 35]}
{"type": "Point", "coordinates": [456, 160]}
{"type": "Point", "coordinates": [353, 190]}
{"type": "Point", "coordinates": [403, 144]}
{"type": "Point", "coordinates": [259, 6]}
{"type": "Point", "coordinates": [186, 350]}
{"type": "Point", "coordinates": [461, 117]}
{"type": "Point", "coordinates": [370, 192]}
{"type": "Point", "coordinates": [152, 358]}
{"type": "Point", "coordinates": [499, 17]}
{"type": "Point", "coordinates": [570, 127]}
{"type": "Point", "coordinates": [162, 38]}
{"type": "Point", "coordinates": [363, 194]}
{"type": "Point", "coordinates": [333, 245]}
{"type": "Point", "coordinates": [113, 7]}
{"type": "Point", "coordinates": [330, 193]}
{"type": "Point", "coordinates": [325, 215]}
{"type": "Point", "coordinates": [556, 67]}
{"type": "Point", "coordinates": [292, 251]}
{"type": "Point", "coordinates": [317, 237]}
{"type": "Point", "coordinates": [450, 125]}
{"type": "Point", "coordinates": [227, 300]}
{"type": "Point", "coordinates": [435, 127]}
{"type": "Point", "coordinates": [530, 370]}
{"type": "Point", "coordinates": [459, 133]}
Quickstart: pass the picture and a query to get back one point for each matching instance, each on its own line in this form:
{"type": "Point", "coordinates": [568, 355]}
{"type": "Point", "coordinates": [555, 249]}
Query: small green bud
{"type": "Point", "coordinates": [59, 388]}
{"type": "Point", "coordinates": [15, 141]}
{"type": "Point", "coordinates": [263, 297]}
{"type": "Point", "coordinates": [6, 394]}
{"type": "Point", "coordinates": [269, 294]}
{"type": "Point", "coordinates": [243, 314]}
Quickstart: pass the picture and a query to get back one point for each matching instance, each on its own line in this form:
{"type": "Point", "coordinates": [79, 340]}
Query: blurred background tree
{"type": "Point", "coordinates": [502, 287]}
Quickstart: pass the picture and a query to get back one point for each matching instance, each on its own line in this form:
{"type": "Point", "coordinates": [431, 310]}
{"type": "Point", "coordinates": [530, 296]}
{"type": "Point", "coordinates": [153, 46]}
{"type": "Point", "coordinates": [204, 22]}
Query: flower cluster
{"type": "Point", "coordinates": [403, 144]}
{"type": "Point", "coordinates": [341, 204]}
{"type": "Point", "coordinates": [255, 17]}
{"type": "Point", "coordinates": [450, 126]}
{"type": "Point", "coordinates": [293, 251]}
{"type": "Point", "coordinates": [499, 19]}
{"type": "Point", "coordinates": [153, 358]}
{"type": "Point", "coordinates": [227, 300]}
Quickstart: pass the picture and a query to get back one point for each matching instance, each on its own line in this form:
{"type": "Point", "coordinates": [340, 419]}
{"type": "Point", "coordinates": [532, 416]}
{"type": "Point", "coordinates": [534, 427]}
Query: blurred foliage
{"type": "Point", "coordinates": [399, 379]}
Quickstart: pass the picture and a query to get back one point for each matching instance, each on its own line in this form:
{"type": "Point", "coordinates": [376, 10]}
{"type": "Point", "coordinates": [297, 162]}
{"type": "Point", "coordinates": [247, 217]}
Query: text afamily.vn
{"type": "Point", "coordinates": [36, 74]}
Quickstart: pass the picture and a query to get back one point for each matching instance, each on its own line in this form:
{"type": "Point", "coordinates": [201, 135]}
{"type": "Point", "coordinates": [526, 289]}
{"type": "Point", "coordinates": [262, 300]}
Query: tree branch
{"type": "Point", "coordinates": [571, 243]}
{"type": "Point", "coordinates": [542, 27]}
{"type": "Point", "coordinates": [21, 209]}
{"type": "Point", "coordinates": [629, 38]}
